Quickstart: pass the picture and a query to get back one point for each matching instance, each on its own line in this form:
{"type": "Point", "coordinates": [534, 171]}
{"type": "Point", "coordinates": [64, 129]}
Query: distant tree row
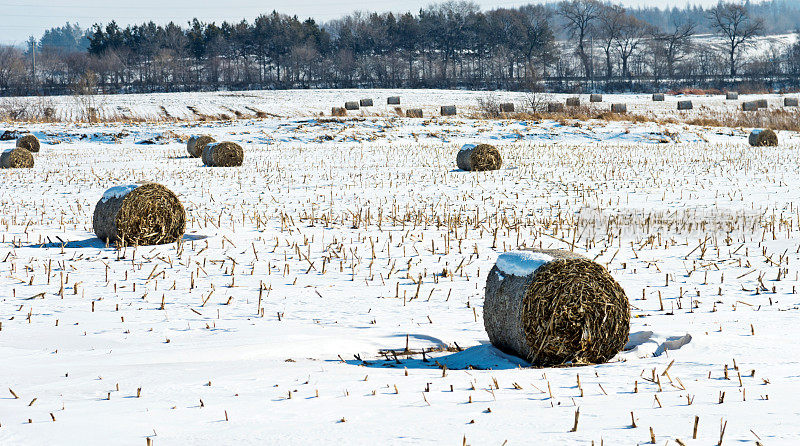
{"type": "Point", "coordinates": [575, 44]}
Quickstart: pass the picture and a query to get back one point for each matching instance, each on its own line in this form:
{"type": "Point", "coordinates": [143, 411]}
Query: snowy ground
{"type": "Point", "coordinates": [328, 247]}
{"type": "Point", "coordinates": [308, 103]}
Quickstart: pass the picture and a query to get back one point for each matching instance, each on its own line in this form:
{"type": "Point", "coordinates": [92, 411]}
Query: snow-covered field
{"type": "Point", "coordinates": [338, 242]}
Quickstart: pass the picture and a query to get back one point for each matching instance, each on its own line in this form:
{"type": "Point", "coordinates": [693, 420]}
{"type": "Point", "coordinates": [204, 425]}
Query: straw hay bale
{"type": "Point", "coordinates": [197, 143]}
{"type": "Point", "coordinates": [351, 105]}
{"type": "Point", "coordinates": [619, 108]}
{"type": "Point", "coordinates": [29, 142]}
{"type": "Point", "coordinates": [480, 157]}
{"type": "Point", "coordinates": [365, 102]}
{"type": "Point", "coordinates": [338, 111]}
{"type": "Point", "coordinates": [762, 103]}
{"type": "Point", "coordinates": [731, 95]}
{"type": "Point", "coordinates": [558, 307]}
{"type": "Point", "coordinates": [393, 100]}
{"type": "Point", "coordinates": [573, 102]}
{"type": "Point", "coordinates": [555, 107]}
{"type": "Point", "coordinates": [595, 98]}
{"type": "Point", "coordinates": [685, 105]}
{"type": "Point", "coordinates": [448, 110]}
{"type": "Point", "coordinates": [223, 154]}
{"type": "Point", "coordinates": [147, 214]}
{"type": "Point", "coordinates": [658, 97]}
{"type": "Point", "coordinates": [749, 106]}
{"type": "Point", "coordinates": [763, 137]}
{"type": "Point", "coordinates": [16, 158]}
{"type": "Point", "coordinates": [790, 102]}
{"type": "Point", "coordinates": [507, 107]}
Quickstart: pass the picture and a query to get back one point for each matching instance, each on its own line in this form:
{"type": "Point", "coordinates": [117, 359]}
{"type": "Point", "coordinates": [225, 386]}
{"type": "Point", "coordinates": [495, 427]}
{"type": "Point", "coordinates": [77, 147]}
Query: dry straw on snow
{"type": "Point", "coordinates": [223, 154]}
{"type": "Point", "coordinates": [148, 214]}
{"type": "Point", "coordinates": [595, 98]}
{"type": "Point", "coordinates": [479, 157]}
{"type": "Point", "coordinates": [569, 309]}
{"type": "Point", "coordinates": [16, 158]}
{"type": "Point", "coordinates": [732, 95]}
{"type": "Point", "coordinates": [414, 113]}
{"type": "Point", "coordinates": [760, 138]}
{"type": "Point", "coordinates": [658, 97]}
{"type": "Point", "coordinates": [29, 142]}
{"type": "Point", "coordinates": [196, 144]}
{"type": "Point", "coordinates": [685, 105]}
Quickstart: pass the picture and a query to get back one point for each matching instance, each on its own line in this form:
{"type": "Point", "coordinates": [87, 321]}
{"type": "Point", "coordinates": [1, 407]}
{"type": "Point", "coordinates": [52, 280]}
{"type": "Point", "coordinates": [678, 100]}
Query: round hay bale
{"type": "Point", "coordinates": [573, 102]}
{"type": "Point", "coordinates": [790, 102]}
{"type": "Point", "coordinates": [762, 138]}
{"type": "Point", "coordinates": [147, 214]}
{"type": "Point", "coordinates": [731, 95]}
{"type": "Point", "coordinates": [619, 108]}
{"type": "Point", "coordinates": [223, 154]}
{"type": "Point", "coordinates": [507, 107]}
{"type": "Point", "coordinates": [685, 105]}
{"type": "Point", "coordinates": [595, 98]}
{"type": "Point", "coordinates": [338, 111]}
{"type": "Point", "coordinates": [762, 103]}
{"type": "Point", "coordinates": [366, 102]}
{"type": "Point", "coordinates": [448, 110]}
{"type": "Point", "coordinates": [351, 105]}
{"type": "Point", "coordinates": [16, 158]}
{"type": "Point", "coordinates": [555, 107]}
{"type": "Point", "coordinates": [750, 106]}
{"type": "Point", "coordinates": [658, 97]}
{"type": "Point", "coordinates": [479, 157]}
{"type": "Point", "coordinates": [29, 142]}
{"type": "Point", "coordinates": [551, 307]}
{"type": "Point", "coordinates": [393, 100]}
{"type": "Point", "coordinates": [196, 144]}
{"type": "Point", "coordinates": [414, 113]}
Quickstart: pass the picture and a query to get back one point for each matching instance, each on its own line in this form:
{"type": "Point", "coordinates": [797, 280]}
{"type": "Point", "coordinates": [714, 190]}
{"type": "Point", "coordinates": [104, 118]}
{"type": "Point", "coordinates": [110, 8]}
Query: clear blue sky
{"type": "Point", "coordinates": [20, 18]}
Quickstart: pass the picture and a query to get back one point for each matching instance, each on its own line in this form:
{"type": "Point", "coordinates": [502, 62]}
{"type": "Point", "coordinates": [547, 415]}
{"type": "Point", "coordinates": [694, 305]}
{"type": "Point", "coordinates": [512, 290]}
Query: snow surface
{"type": "Point", "coordinates": [118, 191]}
{"type": "Point", "coordinates": [358, 238]}
{"type": "Point", "coordinates": [521, 263]}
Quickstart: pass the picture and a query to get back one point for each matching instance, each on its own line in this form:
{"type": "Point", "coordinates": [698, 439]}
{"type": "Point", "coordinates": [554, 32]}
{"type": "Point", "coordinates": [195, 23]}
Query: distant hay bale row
{"type": "Point", "coordinates": [393, 100]}
{"type": "Point", "coordinates": [658, 97]}
{"type": "Point", "coordinates": [731, 96]}
{"type": "Point", "coordinates": [619, 108]}
{"type": "Point", "coordinates": [790, 102]}
{"type": "Point", "coordinates": [448, 110]}
{"type": "Point", "coordinates": [147, 214]}
{"type": "Point", "coordinates": [573, 102]}
{"type": "Point", "coordinates": [28, 142]}
{"type": "Point", "coordinates": [685, 105]}
{"type": "Point", "coordinates": [478, 158]}
{"type": "Point", "coordinates": [351, 105]}
{"type": "Point", "coordinates": [223, 154]}
{"type": "Point", "coordinates": [414, 113]}
{"type": "Point", "coordinates": [763, 138]}
{"type": "Point", "coordinates": [551, 307]}
{"type": "Point", "coordinates": [16, 158]}
{"type": "Point", "coordinates": [595, 98]}
{"type": "Point", "coordinates": [196, 144]}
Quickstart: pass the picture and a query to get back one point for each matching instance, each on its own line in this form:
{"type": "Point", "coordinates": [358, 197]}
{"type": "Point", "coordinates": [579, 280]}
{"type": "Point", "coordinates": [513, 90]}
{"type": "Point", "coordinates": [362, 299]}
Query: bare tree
{"type": "Point", "coordinates": [676, 43]}
{"type": "Point", "coordinates": [632, 33]}
{"type": "Point", "coordinates": [581, 16]}
{"type": "Point", "coordinates": [609, 30]}
{"type": "Point", "coordinates": [733, 22]}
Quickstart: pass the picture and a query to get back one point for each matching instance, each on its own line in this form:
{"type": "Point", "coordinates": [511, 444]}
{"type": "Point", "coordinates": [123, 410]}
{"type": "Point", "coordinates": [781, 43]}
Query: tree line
{"type": "Point", "coordinates": [571, 45]}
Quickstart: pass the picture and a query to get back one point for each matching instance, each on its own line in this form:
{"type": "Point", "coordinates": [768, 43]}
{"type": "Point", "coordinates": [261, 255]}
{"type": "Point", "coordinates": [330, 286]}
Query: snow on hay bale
{"type": "Point", "coordinates": [750, 106]}
{"type": "Point", "coordinates": [551, 307]}
{"type": "Point", "coordinates": [16, 158]}
{"type": "Point", "coordinates": [338, 111]}
{"type": "Point", "coordinates": [448, 110]}
{"type": "Point", "coordinates": [351, 105]}
{"type": "Point", "coordinates": [658, 97]}
{"type": "Point", "coordinates": [29, 142]}
{"type": "Point", "coordinates": [573, 102]}
{"type": "Point", "coordinates": [139, 214]}
{"type": "Point", "coordinates": [223, 154]}
{"type": "Point", "coordinates": [685, 105]}
{"type": "Point", "coordinates": [595, 98]}
{"type": "Point", "coordinates": [619, 108]}
{"type": "Point", "coordinates": [479, 157]}
{"type": "Point", "coordinates": [762, 103]}
{"type": "Point", "coordinates": [393, 100]}
{"type": "Point", "coordinates": [731, 95]}
{"type": "Point", "coordinates": [414, 113]}
{"type": "Point", "coordinates": [196, 144]}
{"type": "Point", "coordinates": [507, 107]}
{"type": "Point", "coordinates": [365, 102]}
{"type": "Point", "coordinates": [555, 107]}
{"type": "Point", "coordinates": [790, 102]}
{"type": "Point", "coordinates": [763, 137]}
